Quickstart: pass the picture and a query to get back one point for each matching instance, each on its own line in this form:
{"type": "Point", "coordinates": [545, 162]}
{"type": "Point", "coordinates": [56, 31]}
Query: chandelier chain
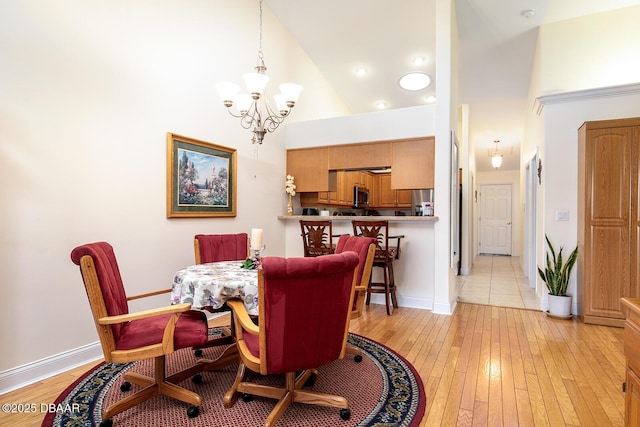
{"type": "Point", "coordinates": [260, 55]}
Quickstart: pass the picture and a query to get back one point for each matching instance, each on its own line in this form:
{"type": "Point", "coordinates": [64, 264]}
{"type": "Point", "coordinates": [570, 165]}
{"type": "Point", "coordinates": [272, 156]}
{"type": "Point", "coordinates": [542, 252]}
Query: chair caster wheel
{"type": "Point", "coordinates": [197, 379]}
{"type": "Point", "coordinates": [193, 411]}
{"type": "Point", "coordinates": [125, 386]}
{"type": "Point", "coordinates": [357, 358]}
{"type": "Point", "coordinates": [106, 423]}
{"type": "Point", "coordinates": [345, 414]}
{"type": "Point", "coordinates": [310, 381]}
{"type": "Point", "coordinates": [246, 397]}
{"type": "Point", "coordinates": [197, 353]}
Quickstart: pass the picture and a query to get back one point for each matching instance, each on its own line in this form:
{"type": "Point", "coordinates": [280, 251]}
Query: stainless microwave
{"type": "Point", "coordinates": [360, 197]}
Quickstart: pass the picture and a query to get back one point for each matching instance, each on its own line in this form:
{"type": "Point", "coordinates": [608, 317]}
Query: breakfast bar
{"type": "Point", "coordinates": [414, 270]}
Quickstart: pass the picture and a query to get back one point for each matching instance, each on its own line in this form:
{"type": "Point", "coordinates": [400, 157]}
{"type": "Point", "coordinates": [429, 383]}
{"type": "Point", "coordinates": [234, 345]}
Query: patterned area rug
{"type": "Point", "coordinates": [383, 390]}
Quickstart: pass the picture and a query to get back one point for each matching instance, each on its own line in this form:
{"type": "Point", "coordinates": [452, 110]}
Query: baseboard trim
{"type": "Point", "coordinates": [445, 308]}
{"type": "Point", "coordinates": [408, 302]}
{"type": "Point", "coordinates": [20, 376]}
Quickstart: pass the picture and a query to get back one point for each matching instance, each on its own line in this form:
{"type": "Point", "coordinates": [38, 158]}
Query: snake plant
{"type": "Point", "coordinates": [556, 274]}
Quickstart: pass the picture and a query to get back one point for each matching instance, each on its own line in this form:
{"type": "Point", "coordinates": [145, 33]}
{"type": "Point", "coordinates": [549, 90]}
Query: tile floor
{"type": "Point", "coordinates": [497, 280]}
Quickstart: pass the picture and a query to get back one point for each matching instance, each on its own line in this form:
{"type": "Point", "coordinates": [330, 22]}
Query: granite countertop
{"type": "Point", "coordinates": [359, 218]}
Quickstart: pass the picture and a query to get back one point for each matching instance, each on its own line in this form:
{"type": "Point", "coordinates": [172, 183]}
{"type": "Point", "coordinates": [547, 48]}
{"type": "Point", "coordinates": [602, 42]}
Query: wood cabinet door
{"type": "Point", "coordinates": [309, 167]}
{"type": "Point", "coordinates": [403, 198]}
{"type": "Point", "coordinates": [360, 156]}
{"type": "Point", "coordinates": [386, 196]}
{"type": "Point", "coordinates": [607, 215]}
{"type": "Point", "coordinates": [632, 399]}
{"type": "Point", "coordinates": [413, 163]}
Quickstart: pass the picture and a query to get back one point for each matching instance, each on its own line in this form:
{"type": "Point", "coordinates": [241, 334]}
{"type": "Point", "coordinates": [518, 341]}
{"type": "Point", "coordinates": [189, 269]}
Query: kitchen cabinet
{"type": "Point", "coordinates": [413, 163]}
{"type": "Point", "coordinates": [360, 156]}
{"type": "Point", "coordinates": [386, 197]}
{"type": "Point", "coordinates": [608, 219]}
{"type": "Point", "coordinates": [310, 168]}
{"type": "Point", "coordinates": [631, 307]}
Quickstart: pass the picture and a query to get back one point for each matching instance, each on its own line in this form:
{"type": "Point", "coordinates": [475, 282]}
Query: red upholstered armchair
{"type": "Point", "coordinates": [128, 337]}
{"type": "Point", "coordinates": [216, 248]}
{"type": "Point", "coordinates": [304, 310]}
{"type": "Point", "coordinates": [221, 247]}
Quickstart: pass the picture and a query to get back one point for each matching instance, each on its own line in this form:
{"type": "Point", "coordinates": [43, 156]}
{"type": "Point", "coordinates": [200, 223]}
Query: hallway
{"type": "Point", "coordinates": [497, 280]}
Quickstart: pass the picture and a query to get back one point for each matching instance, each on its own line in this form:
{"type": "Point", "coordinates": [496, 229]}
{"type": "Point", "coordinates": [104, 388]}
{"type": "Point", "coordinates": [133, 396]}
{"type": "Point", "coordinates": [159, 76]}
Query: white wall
{"type": "Point", "coordinates": [89, 91]}
{"type": "Point", "coordinates": [593, 51]}
{"type": "Point", "coordinates": [560, 162]}
{"type": "Point", "coordinates": [367, 127]}
{"type": "Point", "coordinates": [585, 69]}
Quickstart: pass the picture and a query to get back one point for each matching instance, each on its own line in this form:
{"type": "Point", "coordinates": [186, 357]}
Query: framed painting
{"type": "Point", "coordinates": [201, 178]}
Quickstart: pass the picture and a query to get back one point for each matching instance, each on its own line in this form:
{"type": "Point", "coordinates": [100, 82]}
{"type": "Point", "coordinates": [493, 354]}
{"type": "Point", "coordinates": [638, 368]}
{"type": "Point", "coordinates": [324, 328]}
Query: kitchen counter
{"type": "Point", "coordinates": [413, 271]}
{"type": "Point", "coordinates": [339, 218]}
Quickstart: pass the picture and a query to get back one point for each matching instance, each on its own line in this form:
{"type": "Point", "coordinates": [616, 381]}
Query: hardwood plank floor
{"type": "Point", "coordinates": [482, 366]}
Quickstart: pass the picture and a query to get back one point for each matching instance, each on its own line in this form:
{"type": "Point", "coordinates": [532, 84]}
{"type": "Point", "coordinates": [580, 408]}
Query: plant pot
{"type": "Point", "coordinates": [560, 306]}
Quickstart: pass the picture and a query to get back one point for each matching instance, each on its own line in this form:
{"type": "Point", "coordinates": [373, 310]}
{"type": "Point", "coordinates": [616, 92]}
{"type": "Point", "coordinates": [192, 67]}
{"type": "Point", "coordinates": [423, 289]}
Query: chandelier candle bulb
{"type": "Point", "coordinates": [256, 239]}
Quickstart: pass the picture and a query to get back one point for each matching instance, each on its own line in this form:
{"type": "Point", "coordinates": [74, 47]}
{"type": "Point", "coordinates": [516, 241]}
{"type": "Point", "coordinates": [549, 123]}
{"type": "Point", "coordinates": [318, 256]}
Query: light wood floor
{"type": "Point", "coordinates": [482, 366]}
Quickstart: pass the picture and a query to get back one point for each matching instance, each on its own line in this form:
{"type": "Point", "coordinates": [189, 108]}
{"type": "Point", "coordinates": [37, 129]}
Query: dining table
{"type": "Point", "coordinates": [210, 285]}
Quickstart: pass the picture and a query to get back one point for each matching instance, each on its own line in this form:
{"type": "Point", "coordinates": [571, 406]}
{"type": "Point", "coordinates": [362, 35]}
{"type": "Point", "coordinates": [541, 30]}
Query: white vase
{"type": "Point", "coordinates": [560, 306]}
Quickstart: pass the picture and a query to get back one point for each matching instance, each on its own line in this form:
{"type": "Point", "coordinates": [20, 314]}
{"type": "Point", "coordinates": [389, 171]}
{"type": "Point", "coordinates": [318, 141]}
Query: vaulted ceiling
{"type": "Point", "coordinates": [497, 43]}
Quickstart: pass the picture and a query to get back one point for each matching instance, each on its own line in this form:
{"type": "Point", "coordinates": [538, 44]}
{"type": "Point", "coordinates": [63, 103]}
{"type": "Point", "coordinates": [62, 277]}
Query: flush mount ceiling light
{"type": "Point", "coordinates": [414, 81]}
{"type": "Point", "coordinates": [496, 157]}
{"type": "Point", "coordinates": [430, 99]}
{"type": "Point", "coordinates": [254, 114]}
{"type": "Point", "coordinates": [381, 105]}
{"type": "Point", "coordinates": [528, 13]}
{"type": "Point", "coordinates": [419, 60]}
{"type": "Point", "coordinates": [361, 71]}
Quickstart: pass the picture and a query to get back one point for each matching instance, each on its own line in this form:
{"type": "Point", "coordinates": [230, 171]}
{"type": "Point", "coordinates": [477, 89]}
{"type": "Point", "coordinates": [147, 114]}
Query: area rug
{"type": "Point", "coordinates": [383, 390]}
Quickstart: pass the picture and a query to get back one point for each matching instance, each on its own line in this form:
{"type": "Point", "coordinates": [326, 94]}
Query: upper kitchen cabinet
{"type": "Point", "coordinates": [412, 163]}
{"type": "Point", "coordinates": [310, 168]}
{"type": "Point", "coordinates": [360, 156]}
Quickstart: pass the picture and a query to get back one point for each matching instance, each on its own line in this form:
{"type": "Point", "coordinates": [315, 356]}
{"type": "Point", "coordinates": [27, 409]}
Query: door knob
{"type": "Point", "coordinates": [509, 223]}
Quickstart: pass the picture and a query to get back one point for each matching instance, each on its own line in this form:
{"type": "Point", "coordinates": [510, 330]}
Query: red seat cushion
{"type": "Point", "coordinates": [191, 330]}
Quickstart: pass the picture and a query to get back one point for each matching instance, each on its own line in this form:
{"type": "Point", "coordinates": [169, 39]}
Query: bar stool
{"type": "Point", "coordinates": [317, 237]}
{"type": "Point", "coordinates": [384, 257]}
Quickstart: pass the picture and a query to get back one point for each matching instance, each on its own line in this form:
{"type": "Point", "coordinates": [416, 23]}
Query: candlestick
{"type": "Point", "coordinates": [256, 238]}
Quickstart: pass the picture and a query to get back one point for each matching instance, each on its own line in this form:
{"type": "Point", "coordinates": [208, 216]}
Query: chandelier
{"type": "Point", "coordinates": [259, 116]}
{"type": "Point", "coordinates": [496, 157]}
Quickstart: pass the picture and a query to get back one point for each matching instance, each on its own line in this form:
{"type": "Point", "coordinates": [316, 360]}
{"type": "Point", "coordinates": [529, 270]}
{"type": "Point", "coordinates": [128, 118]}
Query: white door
{"type": "Point", "coordinates": [495, 219]}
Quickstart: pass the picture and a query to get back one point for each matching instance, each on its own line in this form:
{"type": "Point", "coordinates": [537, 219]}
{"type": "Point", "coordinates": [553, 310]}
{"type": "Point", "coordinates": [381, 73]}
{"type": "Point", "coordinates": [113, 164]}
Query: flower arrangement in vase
{"type": "Point", "coordinates": [290, 189]}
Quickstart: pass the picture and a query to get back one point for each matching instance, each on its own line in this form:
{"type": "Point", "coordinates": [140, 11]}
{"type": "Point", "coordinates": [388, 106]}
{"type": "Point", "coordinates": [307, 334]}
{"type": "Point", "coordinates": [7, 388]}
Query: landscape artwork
{"type": "Point", "coordinates": [201, 178]}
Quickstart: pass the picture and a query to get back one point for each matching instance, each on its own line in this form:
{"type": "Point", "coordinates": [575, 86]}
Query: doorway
{"type": "Point", "coordinates": [495, 219]}
{"type": "Point", "coordinates": [530, 225]}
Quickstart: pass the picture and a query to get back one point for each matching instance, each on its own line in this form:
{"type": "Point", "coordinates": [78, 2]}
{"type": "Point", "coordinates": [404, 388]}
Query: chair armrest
{"type": "Point", "coordinates": [240, 313]}
{"type": "Point", "coordinates": [122, 318]}
{"type": "Point", "coordinates": [149, 294]}
{"type": "Point", "coordinates": [398, 237]}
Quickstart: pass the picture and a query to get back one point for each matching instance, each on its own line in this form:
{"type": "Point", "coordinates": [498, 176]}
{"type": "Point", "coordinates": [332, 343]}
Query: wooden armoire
{"type": "Point", "coordinates": [608, 219]}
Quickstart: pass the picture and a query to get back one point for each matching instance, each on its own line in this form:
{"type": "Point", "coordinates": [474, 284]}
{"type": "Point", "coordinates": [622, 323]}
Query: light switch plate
{"type": "Point", "coordinates": [562, 215]}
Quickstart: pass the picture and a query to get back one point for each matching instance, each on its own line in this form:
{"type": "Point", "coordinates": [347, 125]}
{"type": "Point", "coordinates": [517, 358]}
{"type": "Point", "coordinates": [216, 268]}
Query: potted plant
{"type": "Point", "coordinates": [556, 277]}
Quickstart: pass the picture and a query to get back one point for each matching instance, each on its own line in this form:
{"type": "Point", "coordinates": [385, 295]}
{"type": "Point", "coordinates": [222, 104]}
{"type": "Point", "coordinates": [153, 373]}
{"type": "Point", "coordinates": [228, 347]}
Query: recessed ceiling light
{"type": "Point", "coordinates": [419, 60]}
{"type": "Point", "coordinates": [381, 105]}
{"type": "Point", "coordinates": [361, 71]}
{"type": "Point", "coordinates": [430, 99]}
{"type": "Point", "coordinates": [528, 13]}
{"type": "Point", "coordinates": [414, 81]}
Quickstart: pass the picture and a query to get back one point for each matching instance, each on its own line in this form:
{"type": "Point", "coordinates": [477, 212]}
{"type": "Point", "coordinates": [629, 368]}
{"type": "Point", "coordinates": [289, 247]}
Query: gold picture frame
{"type": "Point", "coordinates": [201, 178]}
